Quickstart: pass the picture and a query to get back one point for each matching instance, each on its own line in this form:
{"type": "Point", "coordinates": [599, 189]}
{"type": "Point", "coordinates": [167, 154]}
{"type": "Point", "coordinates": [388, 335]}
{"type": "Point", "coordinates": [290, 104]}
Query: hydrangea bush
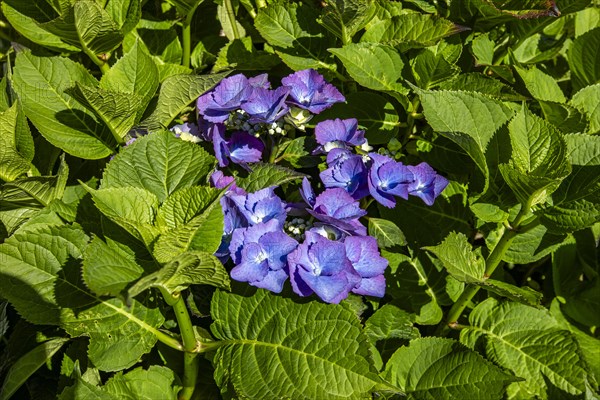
{"type": "Point", "coordinates": [300, 200]}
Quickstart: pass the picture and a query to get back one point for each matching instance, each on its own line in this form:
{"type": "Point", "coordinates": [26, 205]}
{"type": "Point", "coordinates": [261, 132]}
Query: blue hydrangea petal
{"type": "Point", "coordinates": [277, 245]}
{"type": "Point", "coordinates": [253, 265]}
{"type": "Point", "coordinates": [245, 148]}
{"type": "Point", "coordinates": [374, 286]}
{"type": "Point", "coordinates": [364, 255]}
{"type": "Point", "coordinates": [307, 192]}
{"type": "Point", "coordinates": [310, 91]}
{"type": "Point", "coordinates": [273, 281]}
{"type": "Point", "coordinates": [266, 106]}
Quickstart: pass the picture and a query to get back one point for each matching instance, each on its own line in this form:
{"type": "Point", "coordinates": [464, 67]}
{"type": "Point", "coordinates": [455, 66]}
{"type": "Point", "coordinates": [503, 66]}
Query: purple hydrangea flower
{"type": "Point", "coordinates": [232, 220]}
{"type": "Point", "coordinates": [320, 266]}
{"type": "Point", "coordinates": [220, 181]}
{"type": "Point", "coordinates": [349, 173]}
{"type": "Point", "coordinates": [427, 184]}
{"type": "Point", "coordinates": [307, 192]}
{"type": "Point", "coordinates": [261, 206]}
{"type": "Point", "coordinates": [266, 106]}
{"type": "Point", "coordinates": [260, 81]}
{"type": "Point", "coordinates": [388, 178]}
{"type": "Point", "coordinates": [260, 253]}
{"type": "Point", "coordinates": [241, 148]}
{"type": "Point", "coordinates": [337, 208]}
{"type": "Point", "coordinates": [363, 253]}
{"type": "Point", "coordinates": [338, 133]}
{"type": "Point", "coordinates": [227, 96]}
{"type": "Point", "coordinates": [310, 91]}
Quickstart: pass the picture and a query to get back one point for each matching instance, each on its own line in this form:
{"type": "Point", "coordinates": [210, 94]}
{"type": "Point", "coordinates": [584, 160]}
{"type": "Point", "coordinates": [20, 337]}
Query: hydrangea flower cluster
{"type": "Point", "coordinates": [322, 245]}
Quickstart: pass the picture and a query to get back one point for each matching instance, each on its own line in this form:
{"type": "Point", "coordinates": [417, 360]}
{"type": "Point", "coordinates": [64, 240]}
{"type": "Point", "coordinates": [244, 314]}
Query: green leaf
{"type": "Point", "coordinates": [159, 163]}
{"type": "Point", "coordinates": [489, 212]}
{"type": "Point", "coordinates": [14, 164]}
{"type": "Point", "coordinates": [575, 275]}
{"type": "Point", "coordinates": [344, 18]}
{"type": "Point", "coordinates": [279, 335]}
{"type": "Point", "coordinates": [541, 86]}
{"type": "Point", "coordinates": [539, 158]}
{"type": "Point", "coordinates": [116, 109]}
{"type": "Point", "coordinates": [190, 268]}
{"type": "Point", "coordinates": [109, 267]}
{"type": "Point", "coordinates": [134, 73]}
{"type": "Point", "coordinates": [565, 117]}
{"type": "Point", "coordinates": [523, 294]}
{"type": "Point", "coordinates": [529, 342]}
{"type": "Point", "coordinates": [576, 202]}
{"type": "Point", "coordinates": [428, 225]}
{"type": "Point", "coordinates": [374, 112]}
{"type": "Point", "coordinates": [414, 29]}
{"type": "Point", "coordinates": [185, 204]}
{"type": "Point", "coordinates": [184, 7]}
{"type": "Point", "coordinates": [590, 346]}
{"type": "Point", "coordinates": [386, 232]}
{"type": "Point", "coordinates": [584, 59]}
{"type": "Point", "coordinates": [242, 55]}
{"type": "Point", "coordinates": [35, 191]}
{"type": "Point", "coordinates": [391, 322]}
{"type": "Point", "coordinates": [202, 233]}
{"type": "Point", "coordinates": [28, 364]}
{"type": "Point", "coordinates": [437, 368]}
{"type": "Point", "coordinates": [123, 333]}
{"type": "Point", "coordinates": [28, 283]}
{"type": "Point", "coordinates": [419, 285]}
{"type": "Point", "coordinates": [26, 16]}
{"type": "Point", "coordinates": [125, 13]}
{"type": "Point", "coordinates": [40, 83]}
{"type": "Point", "coordinates": [459, 258]}
{"type": "Point", "coordinates": [157, 382]}
{"type": "Point", "coordinates": [584, 101]}
{"type": "Point", "coordinates": [290, 29]}
{"type": "Point", "coordinates": [267, 175]}
{"type": "Point", "coordinates": [227, 23]}
{"type": "Point", "coordinates": [134, 209]}
{"type": "Point", "coordinates": [176, 93]}
{"type": "Point", "coordinates": [430, 68]}
{"type": "Point", "coordinates": [374, 66]}
{"type": "Point", "coordinates": [475, 82]}
{"type": "Point", "coordinates": [297, 152]}
{"type": "Point", "coordinates": [87, 26]}
{"type": "Point", "coordinates": [483, 49]}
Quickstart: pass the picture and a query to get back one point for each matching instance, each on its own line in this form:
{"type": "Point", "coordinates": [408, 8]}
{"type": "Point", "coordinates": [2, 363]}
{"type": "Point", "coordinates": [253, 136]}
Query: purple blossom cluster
{"type": "Point", "coordinates": [321, 245]}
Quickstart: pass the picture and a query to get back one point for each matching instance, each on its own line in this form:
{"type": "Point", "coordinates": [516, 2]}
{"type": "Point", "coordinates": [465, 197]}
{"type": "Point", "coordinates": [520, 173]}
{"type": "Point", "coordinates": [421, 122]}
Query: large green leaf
{"type": "Point", "coordinates": [134, 73]}
{"type": "Point", "coordinates": [437, 368]}
{"type": "Point", "coordinates": [134, 209]}
{"type": "Point", "coordinates": [88, 26]}
{"type": "Point", "coordinates": [40, 83]}
{"type": "Point", "coordinates": [116, 109]}
{"type": "Point", "coordinates": [413, 29]}
{"type": "Point", "coordinates": [290, 29]}
{"type": "Point", "coordinates": [344, 18]}
{"type": "Point", "coordinates": [108, 267]}
{"type": "Point", "coordinates": [242, 55]}
{"type": "Point", "coordinates": [431, 67]}
{"type": "Point", "coordinates": [529, 342]}
{"type": "Point", "coordinates": [185, 204]}
{"type": "Point", "coordinates": [125, 13]}
{"type": "Point", "coordinates": [576, 202]}
{"type": "Point", "coordinates": [459, 258]}
{"type": "Point", "coordinates": [391, 322]}
{"type": "Point", "coordinates": [25, 17]}
{"type": "Point", "coordinates": [584, 58]}
{"type": "Point", "coordinates": [157, 382]}
{"type": "Point", "coordinates": [374, 66]}
{"type": "Point", "coordinates": [585, 101]}
{"type": "Point", "coordinates": [176, 93]}
{"type": "Point", "coordinates": [541, 85]}
{"type": "Point", "coordinates": [270, 335]}
{"type": "Point", "coordinates": [14, 163]}
{"type": "Point", "coordinates": [159, 163]}
{"type": "Point", "coordinates": [539, 158]}
{"type": "Point", "coordinates": [202, 233]}
{"type": "Point", "coordinates": [184, 7]}
{"type": "Point", "coordinates": [190, 268]}
{"type": "Point", "coordinates": [27, 365]}
{"type": "Point", "coordinates": [267, 175]}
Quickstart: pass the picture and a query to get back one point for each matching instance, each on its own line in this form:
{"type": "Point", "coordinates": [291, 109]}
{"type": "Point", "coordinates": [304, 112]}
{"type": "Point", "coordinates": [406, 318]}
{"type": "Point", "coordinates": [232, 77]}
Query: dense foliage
{"type": "Point", "coordinates": [309, 200]}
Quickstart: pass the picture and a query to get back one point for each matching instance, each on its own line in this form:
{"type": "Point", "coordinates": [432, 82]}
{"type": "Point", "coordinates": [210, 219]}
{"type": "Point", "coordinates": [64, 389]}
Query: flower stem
{"type": "Point", "coordinates": [491, 263]}
{"type": "Point", "coordinates": [231, 17]}
{"type": "Point", "coordinates": [187, 38]}
{"type": "Point", "coordinates": [188, 337]}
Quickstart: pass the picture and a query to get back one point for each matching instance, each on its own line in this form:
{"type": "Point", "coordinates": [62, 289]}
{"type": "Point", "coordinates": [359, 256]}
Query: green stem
{"type": "Point", "coordinates": [232, 20]}
{"type": "Point", "coordinates": [187, 39]}
{"type": "Point", "coordinates": [261, 4]}
{"type": "Point", "coordinates": [491, 263]}
{"type": "Point", "coordinates": [274, 151]}
{"type": "Point", "coordinates": [104, 67]}
{"type": "Point", "coordinates": [413, 115]}
{"type": "Point", "coordinates": [190, 344]}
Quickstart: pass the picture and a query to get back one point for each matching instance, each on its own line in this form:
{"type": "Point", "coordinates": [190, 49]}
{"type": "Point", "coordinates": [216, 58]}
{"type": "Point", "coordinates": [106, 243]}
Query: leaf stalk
{"type": "Point", "coordinates": [231, 17]}
{"type": "Point", "coordinates": [491, 263]}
